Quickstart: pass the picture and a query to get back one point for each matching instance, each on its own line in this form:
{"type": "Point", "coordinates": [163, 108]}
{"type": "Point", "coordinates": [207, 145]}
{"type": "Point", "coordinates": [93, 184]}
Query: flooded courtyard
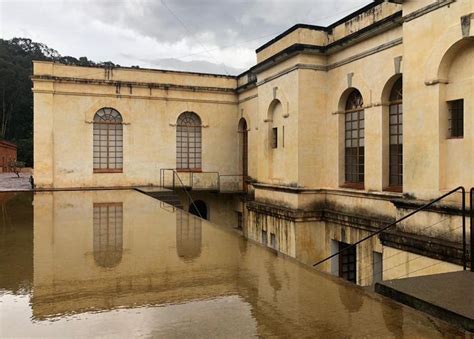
{"type": "Point", "coordinates": [120, 263]}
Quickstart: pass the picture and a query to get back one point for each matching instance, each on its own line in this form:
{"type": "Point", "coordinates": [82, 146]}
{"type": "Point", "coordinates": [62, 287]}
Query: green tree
{"type": "Point", "coordinates": [16, 97]}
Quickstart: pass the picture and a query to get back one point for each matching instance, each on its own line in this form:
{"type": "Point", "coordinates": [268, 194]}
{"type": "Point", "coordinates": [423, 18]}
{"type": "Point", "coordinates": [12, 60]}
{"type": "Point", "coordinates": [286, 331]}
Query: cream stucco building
{"type": "Point", "coordinates": [335, 131]}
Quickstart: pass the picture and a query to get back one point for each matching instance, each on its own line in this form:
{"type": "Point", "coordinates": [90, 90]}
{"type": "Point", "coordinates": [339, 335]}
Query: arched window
{"type": "Point", "coordinates": [108, 141]}
{"type": "Point", "coordinates": [188, 142]}
{"type": "Point", "coordinates": [354, 140]}
{"type": "Point", "coordinates": [396, 135]}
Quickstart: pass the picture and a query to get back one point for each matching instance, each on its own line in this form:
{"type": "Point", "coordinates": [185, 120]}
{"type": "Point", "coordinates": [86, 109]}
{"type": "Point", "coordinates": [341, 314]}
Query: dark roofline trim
{"type": "Point", "coordinates": [322, 28]}
{"type": "Point", "coordinates": [390, 21]}
{"type": "Point", "coordinates": [288, 31]}
{"type": "Point", "coordinates": [352, 15]}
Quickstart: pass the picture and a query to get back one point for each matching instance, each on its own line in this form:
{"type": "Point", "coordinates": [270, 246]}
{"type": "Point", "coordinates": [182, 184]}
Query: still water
{"type": "Point", "coordinates": [119, 263]}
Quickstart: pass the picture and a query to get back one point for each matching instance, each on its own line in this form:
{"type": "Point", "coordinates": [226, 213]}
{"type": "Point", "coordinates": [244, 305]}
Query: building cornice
{"type": "Point", "coordinates": [128, 96]}
{"type": "Point", "coordinates": [381, 26]}
{"type": "Point", "coordinates": [427, 9]}
{"type": "Point", "coordinates": [127, 84]}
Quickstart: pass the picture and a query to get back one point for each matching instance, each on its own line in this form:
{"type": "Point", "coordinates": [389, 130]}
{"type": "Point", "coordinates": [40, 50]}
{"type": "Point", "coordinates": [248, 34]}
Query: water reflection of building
{"type": "Point", "coordinates": [16, 241]}
{"type": "Point", "coordinates": [188, 236]}
{"type": "Point", "coordinates": [284, 298]}
{"type": "Point", "coordinates": [108, 234]}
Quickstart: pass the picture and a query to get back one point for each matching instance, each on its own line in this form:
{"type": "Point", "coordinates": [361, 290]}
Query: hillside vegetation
{"type": "Point", "coordinates": [16, 97]}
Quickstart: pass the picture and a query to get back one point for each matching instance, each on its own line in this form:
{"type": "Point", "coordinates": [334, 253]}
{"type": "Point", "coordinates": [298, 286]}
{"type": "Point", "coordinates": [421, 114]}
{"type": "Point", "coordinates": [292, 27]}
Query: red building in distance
{"type": "Point", "coordinates": [7, 155]}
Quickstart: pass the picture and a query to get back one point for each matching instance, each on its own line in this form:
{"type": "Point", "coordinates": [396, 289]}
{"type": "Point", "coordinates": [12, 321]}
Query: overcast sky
{"type": "Point", "coordinates": [217, 36]}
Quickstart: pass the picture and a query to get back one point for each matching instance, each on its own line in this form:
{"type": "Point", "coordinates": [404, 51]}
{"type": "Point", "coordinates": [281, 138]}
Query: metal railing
{"type": "Point", "coordinates": [181, 185]}
{"type": "Point", "coordinates": [424, 207]}
{"type": "Point", "coordinates": [204, 181]}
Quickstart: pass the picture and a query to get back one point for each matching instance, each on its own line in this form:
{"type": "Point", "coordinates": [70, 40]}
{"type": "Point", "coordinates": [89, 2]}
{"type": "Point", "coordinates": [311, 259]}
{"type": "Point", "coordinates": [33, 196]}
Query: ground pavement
{"type": "Point", "coordinates": [11, 182]}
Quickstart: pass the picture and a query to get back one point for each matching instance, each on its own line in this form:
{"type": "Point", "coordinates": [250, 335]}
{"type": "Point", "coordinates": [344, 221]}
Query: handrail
{"type": "Point", "coordinates": [471, 212]}
{"type": "Point", "coordinates": [175, 173]}
{"type": "Point", "coordinates": [409, 215]}
{"type": "Point", "coordinates": [193, 174]}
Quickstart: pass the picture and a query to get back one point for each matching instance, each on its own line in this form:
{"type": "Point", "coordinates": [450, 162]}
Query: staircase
{"type": "Point", "coordinates": [167, 196]}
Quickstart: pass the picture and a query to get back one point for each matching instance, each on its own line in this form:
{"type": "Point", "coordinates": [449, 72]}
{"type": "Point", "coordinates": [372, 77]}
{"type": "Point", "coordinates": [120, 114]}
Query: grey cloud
{"type": "Point", "coordinates": [144, 32]}
{"type": "Point", "coordinates": [191, 66]}
{"type": "Point", "coordinates": [217, 22]}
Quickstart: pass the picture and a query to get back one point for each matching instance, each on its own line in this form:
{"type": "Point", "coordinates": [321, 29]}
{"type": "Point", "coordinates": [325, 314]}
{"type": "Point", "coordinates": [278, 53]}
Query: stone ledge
{"type": "Point", "coordinates": [434, 248]}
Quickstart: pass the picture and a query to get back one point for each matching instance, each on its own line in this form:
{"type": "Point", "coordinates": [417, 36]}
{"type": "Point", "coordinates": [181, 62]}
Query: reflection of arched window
{"type": "Point", "coordinates": [108, 234]}
{"type": "Point", "coordinates": [108, 141]}
{"type": "Point", "coordinates": [199, 208]}
{"type": "Point", "coordinates": [188, 236]}
{"type": "Point", "coordinates": [188, 142]}
{"type": "Point", "coordinates": [396, 135]}
{"type": "Point", "coordinates": [354, 139]}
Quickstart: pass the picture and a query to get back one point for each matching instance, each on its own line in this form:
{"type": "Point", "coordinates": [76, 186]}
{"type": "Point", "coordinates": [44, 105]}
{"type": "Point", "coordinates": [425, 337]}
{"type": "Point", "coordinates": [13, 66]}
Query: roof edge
{"type": "Point", "coordinates": [323, 28]}
{"type": "Point", "coordinates": [130, 68]}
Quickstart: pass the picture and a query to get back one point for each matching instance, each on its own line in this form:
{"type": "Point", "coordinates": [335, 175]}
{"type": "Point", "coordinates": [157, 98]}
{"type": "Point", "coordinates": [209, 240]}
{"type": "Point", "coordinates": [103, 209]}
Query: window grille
{"type": "Point", "coordinates": [108, 234]}
{"type": "Point", "coordinates": [396, 135]}
{"type": "Point", "coordinates": [456, 120]}
{"type": "Point", "coordinates": [348, 262]}
{"type": "Point", "coordinates": [354, 139]}
{"type": "Point", "coordinates": [188, 142]}
{"type": "Point", "coordinates": [108, 141]}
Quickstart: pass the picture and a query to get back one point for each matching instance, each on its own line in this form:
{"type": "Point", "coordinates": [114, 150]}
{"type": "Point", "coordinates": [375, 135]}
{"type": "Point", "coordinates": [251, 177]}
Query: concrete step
{"type": "Point", "coordinates": [167, 196]}
{"type": "Point", "coordinates": [448, 296]}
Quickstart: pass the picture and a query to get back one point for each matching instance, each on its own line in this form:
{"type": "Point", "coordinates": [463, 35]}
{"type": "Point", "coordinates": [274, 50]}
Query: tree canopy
{"type": "Point", "coordinates": [16, 97]}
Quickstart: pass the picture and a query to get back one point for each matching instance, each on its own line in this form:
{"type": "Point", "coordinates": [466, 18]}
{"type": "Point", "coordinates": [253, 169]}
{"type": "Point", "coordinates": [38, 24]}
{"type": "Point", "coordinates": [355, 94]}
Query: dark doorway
{"type": "Point", "coordinates": [243, 133]}
{"type": "Point", "coordinates": [199, 208]}
{"type": "Point", "coordinates": [347, 262]}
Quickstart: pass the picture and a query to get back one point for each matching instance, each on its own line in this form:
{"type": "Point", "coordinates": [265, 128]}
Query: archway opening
{"type": "Point", "coordinates": [354, 140]}
{"type": "Point", "coordinates": [243, 141]}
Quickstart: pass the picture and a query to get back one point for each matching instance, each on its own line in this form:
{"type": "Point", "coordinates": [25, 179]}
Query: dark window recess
{"type": "Point", "coordinates": [274, 137]}
{"type": "Point", "coordinates": [240, 220]}
{"type": "Point", "coordinates": [354, 139]}
{"type": "Point", "coordinates": [456, 118]}
{"type": "Point", "coordinates": [264, 237]}
{"type": "Point", "coordinates": [396, 135]}
{"type": "Point", "coordinates": [283, 136]}
{"type": "Point", "coordinates": [273, 242]}
{"type": "Point", "coordinates": [347, 262]}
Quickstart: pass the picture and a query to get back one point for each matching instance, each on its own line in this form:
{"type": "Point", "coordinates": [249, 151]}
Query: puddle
{"type": "Point", "coordinates": [119, 263]}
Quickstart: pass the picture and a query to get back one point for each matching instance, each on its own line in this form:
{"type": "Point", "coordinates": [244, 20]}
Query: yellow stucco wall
{"type": "Point", "coordinates": [303, 95]}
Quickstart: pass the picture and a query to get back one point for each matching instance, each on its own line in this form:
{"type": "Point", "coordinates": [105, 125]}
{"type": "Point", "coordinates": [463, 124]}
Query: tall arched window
{"type": "Point", "coordinates": [108, 141]}
{"type": "Point", "coordinates": [354, 140]}
{"type": "Point", "coordinates": [188, 142]}
{"type": "Point", "coordinates": [396, 135]}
